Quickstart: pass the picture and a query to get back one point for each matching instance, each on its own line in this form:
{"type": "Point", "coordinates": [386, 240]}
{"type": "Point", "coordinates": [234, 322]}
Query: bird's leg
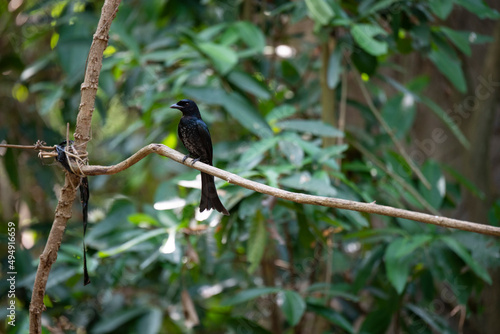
{"type": "Point", "coordinates": [189, 156]}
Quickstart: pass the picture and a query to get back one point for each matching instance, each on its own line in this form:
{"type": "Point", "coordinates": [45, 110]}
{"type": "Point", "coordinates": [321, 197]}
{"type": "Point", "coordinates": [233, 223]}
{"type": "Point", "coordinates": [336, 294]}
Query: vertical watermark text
{"type": "Point", "coordinates": [11, 274]}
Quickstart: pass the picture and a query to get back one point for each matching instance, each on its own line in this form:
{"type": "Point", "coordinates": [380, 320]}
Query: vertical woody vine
{"type": "Point", "coordinates": [82, 136]}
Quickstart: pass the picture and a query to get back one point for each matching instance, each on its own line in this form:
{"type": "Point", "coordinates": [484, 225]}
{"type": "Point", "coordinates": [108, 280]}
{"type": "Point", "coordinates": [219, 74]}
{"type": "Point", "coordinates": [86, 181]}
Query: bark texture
{"type": "Point", "coordinates": [68, 192]}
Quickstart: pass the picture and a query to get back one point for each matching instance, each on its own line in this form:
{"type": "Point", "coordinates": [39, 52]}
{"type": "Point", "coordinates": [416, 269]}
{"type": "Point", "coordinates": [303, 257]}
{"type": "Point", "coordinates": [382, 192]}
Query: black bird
{"type": "Point", "coordinates": [195, 136]}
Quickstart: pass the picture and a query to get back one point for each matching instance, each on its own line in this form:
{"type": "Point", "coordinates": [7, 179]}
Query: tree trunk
{"type": "Point", "coordinates": [478, 168]}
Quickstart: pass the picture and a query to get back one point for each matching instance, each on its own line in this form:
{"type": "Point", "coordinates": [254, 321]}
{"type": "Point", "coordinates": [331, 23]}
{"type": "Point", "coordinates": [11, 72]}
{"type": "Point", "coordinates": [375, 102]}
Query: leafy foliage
{"type": "Point", "coordinates": [154, 266]}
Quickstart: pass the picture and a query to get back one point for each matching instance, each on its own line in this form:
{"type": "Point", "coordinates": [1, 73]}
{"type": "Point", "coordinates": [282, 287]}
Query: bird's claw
{"type": "Point", "coordinates": [194, 160]}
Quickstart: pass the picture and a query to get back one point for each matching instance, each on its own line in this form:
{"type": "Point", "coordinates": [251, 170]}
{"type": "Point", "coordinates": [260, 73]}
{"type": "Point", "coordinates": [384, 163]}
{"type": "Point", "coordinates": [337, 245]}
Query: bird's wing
{"type": "Point", "coordinates": [205, 138]}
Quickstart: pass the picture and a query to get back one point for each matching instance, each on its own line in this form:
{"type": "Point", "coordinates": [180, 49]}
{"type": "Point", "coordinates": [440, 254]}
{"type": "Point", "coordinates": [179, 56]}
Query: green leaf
{"type": "Point", "coordinates": [378, 320]}
{"type": "Point", "coordinates": [115, 320]}
{"type": "Point", "coordinates": [451, 68]}
{"type": "Point", "coordinates": [464, 181]}
{"type": "Point", "coordinates": [257, 241]}
{"type": "Point", "coordinates": [364, 35]}
{"type": "Point", "coordinates": [131, 243]}
{"type": "Point", "coordinates": [399, 113]}
{"type": "Point", "coordinates": [245, 113]}
{"type": "Point", "coordinates": [397, 272]}
{"type": "Point", "coordinates": [36, 66]}
{"type": "Point", "coordinates": [248, 84]}
{"type": "Point", "coordinates": [397, 264]}
{"type": "Point", "coordinates": [304, 181]}
{"type": "Point", "coordinates": [475, 38]}
{"type": "Point", "coordinates": [141, 218]}
{"type": "Point", "coordinates": [289, 72]}
{"type": "Point", "coordinates": [251, 35]}
{"type": "Point", "coordinates": [120, 29]}
{"type": "Point", "coordinates": [209, 33]}
{"type": "Point", "coordinates": [479, 8]}
{"type": "Point", "coordinates": [333, 151]}
{"type": "Point", "coordinates": [11, 161]}
{"type": "Point", "coordinates": [222, 57]}
{"type": "Point", "coordinates": [151, 322]}
{"type": "Point", "coordinates": [374, 6]}
{"type": "Point", "coordinates": [283, 8]}
{"type": "Point", "coordinates": [310, 148]}
{"type": "Point", "coordinates": [249, 294]}
{"type": "Point", "coordinates": [364, 62]}
{"type": "Point", "coordinates": [494, 214]}
{"type": "Point", "coordinates": [292, 151]}
{"type": "Point", "coordinates": [47, 302]}
{"type": "Point", "coordinates": [305, 236]}
{"type": "Point", "coordinates": [459, 38]}
{"type": "Point", "coordinates": [293, 306]}
{"type": "Point", "coordinates": [446, 119]}
{"type": "Point", "coordinates": [355, 217]}
{"type": "Point", "coordinates": [367, 267]}
{"type": "Point", "coordinates": [460, 250]}
{"type": "Point", "coordinates": [433, 174]}
{"type": "Point", "coordinates": [334, 68]}
{"type": "Point", "coordinates": [119, 212]}
{"type": "Point", "coordinates": [333, 290]}
{"type": "Point", "coordinates": [442, 8]}
{"type": "Point", "coordinates": [425, 316]}
{"type": "Point", "coordinates": [167, 218]}
{"type": "Point", "coordinates": [239, 107]}
{"type": "Point", "coordinates": [317, 128]}
{"type": "Point", "coordinates": [61, 275]}
{"type": "Point", "coordinates": [331, 315]}
{"type": "Point", "coordinates": [255, 152]}
{"type": "Point", "coordinates": [412, 243]}
{"type": "Point", "coordinates": [209, 95]}
{"type": "Point", "coordinates": [320, 11]}
{"type": "Point", "coordinates": [280, 112]}
{"type": "Point", "coordinates": [73, 48]}
{"type": "Point", "coordinates": [382, 233]}
{"type": "Point", "coordinates": [249, 206]}
{"type": "Point", "coordinates": [245, 325]}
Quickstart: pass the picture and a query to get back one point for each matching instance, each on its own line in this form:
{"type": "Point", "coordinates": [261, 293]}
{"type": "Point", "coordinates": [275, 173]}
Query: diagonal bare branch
{"type": "Point", "coordinates": [292, 196]}
{"type": "Point", "coordinates": [391, 134]}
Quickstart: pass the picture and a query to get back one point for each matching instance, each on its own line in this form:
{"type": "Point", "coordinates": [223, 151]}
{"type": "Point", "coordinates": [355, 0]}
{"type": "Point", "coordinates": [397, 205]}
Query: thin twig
{"type": "Point", "coordinates": [342, 115]}
{"type": "Point", "coordinates": [292, 196]}
{"type": "Point", "coordinates": [343, 107]}
{"type": "Point", "coordinates": [398, 179]}
{"type": "Point", "coordinates": [37, 147]}
{"type": "Point", "coordinates": [391, 134]}
{"type": "Point", "coordinates": [327, 98]}
{"type": "Point", "coordinates": [29, 147]}
{"type": "Point", "coordinates": [67, 134]}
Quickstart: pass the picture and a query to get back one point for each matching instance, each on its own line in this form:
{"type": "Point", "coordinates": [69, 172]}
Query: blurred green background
{"type": "Point", "coordinates": [305, 95]}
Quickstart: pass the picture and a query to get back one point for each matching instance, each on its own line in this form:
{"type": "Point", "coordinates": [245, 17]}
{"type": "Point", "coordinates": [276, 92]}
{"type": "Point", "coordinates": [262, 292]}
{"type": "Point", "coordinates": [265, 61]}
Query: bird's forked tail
{"type": "Point", "coordinates": [209, 197]}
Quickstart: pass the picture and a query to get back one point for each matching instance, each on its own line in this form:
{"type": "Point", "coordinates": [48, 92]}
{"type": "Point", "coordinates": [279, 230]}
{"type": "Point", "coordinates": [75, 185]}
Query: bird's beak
{"type": "Point", "coordinates": [176, 106]}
